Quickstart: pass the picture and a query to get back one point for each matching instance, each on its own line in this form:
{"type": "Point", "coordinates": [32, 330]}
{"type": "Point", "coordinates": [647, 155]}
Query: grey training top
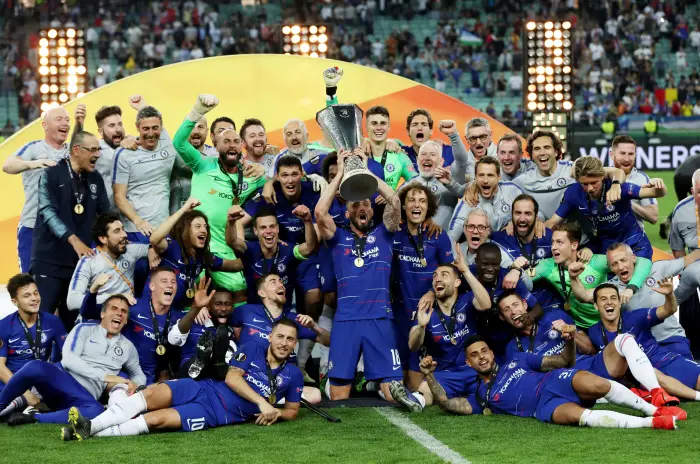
{"type": "Point", "coordinates": [548, 191]}
{"type": "Point", "coordinates": [525, 165]}
{"type": "Point", "coordinates": [89, 268]}
{"type": "Point", "coordinates": [35, 150]}
{"type": "Point", "coordinates": [639, 178]}
{"type": "Point", "coordinates": [88, 355]}
{"type": "Point", "coordinates": [147, 177]}
{"type": "Point", "coordinates": [105, 165]}
{"type": "Point", "coordinates": [684, 229]}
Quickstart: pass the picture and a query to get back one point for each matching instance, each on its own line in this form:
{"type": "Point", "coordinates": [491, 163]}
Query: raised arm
{"type": "Point", "coordinates": [670, 305]}
{"type": "Point", "coordinates": [417, 334]}
{"type": "Point", "coordinates": [655, 188]}
{"type": "Point", "coordinates": [459, 406]}
{"type": "Point", "coordinates": [392, 210]}
{"type": "Point", "coordinates": [581, 293]}
{"type": "Point", "coordinates": [459, 151]}
{"type": "Point", "coordinates": [310, 238]}
{"type": "Point", "coordinates": [567, 357]}
{"type": "Point", "coordinates": [233, 239]}
{"type": "Point", "coordinates": [482, 299]}
{"type": "Point", "coordinates": [158, 236]}
{"type": "Point", "coordinates": [324, 221]}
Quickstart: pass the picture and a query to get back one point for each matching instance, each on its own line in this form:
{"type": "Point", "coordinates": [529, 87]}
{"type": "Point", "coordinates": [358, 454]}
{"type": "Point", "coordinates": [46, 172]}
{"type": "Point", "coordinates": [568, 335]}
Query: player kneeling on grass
{"type": "Point", "coordinates": [543, 387]}
{"type": "Point", "coordinates": [256, 379]}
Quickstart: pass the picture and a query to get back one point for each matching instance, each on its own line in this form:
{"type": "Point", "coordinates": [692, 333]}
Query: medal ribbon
{"type": "Point", "coordinates": [619, 328]}
{"type": "Point", "coordinates": [484, 402]}
{"type": "Point", "coordinates": [452, 323]}
{"type": "Point", "coordinates": [160, 337]}
{"type": "Point", "coordinates": [272, 379]}
{"type": "Point", "coordinates": [34, 345]}
{"type": "Point", "coordinates": [562, 280]}
{"type": "Point", "coordinates": [236, 187]}
{"type": "Point", "coordinates": [417, 242]}
{"type": "Point", "coordinates": [75, 180]}
{"type": "Point", "coordinates": [359, 244]}
{"type": "Point", "coordinates": [533, 332]}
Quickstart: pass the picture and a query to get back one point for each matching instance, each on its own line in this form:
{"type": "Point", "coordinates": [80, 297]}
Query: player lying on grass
{"type": "Point", "coordinates": [257, 377]}
{"type": "Point", "coordinates": [544, 387]}
{"type": "Point", "coordinates": [639, 323]}
{"type": "Point", "coordinates": [612, 362]}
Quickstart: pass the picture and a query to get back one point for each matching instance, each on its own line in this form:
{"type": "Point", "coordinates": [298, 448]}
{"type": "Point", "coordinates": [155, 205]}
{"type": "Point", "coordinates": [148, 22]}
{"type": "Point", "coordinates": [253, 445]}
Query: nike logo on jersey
{"type": "Point", "coordinates": [14, 340]}
{"type": "Point", "coordinates": [395, 368]}
{"type": "Point", "coordinates": [397, 243]}
{"type": "Point", "coordinates": [254, 365]}
{"type": "Point", "coordinates": [257, 320]}
{"type": "Point", "coordinates": [349, 238]}
{"type": "Point", "coordinates": [138, 316]}
{"type": "Point", "coordinates": [91, 341]}
{"type": "Point", "coordinates": [436, 325]}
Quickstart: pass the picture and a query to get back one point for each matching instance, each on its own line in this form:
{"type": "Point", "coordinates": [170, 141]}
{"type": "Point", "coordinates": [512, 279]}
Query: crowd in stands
{"type": "Point", "coordinates": [631, 57]}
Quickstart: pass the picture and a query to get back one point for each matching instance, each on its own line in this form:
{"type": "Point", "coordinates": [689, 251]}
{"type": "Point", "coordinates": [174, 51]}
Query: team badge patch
{"type": "Point", "coordinates": [561, 182]}
{"type": "Point", "coordinates": [118, 350]}
{"type": "Point", "coordinates": [125, 264]}
{"type": "Point", "coordinates": [93, 188]}
{"type": "Point", "coordinates": [390, 168]}
{"type": "Point", "coordinates": [461, 317]}
{"type": "Point", "coordinates": [505, 208]}
{"type": "Point", "coordinates": [650, 281]}
{"type": "Point", "coordinates": [240, 356]}
{"type": "Point", "coordinates": [552, 334]}
{"type": "Point", "coordinates": [281, 267]}
{"type": "Point", "coordinates": [371, 239]}
{"type": "Point", "coordinates": [434, 188]}
{"type": "Point", "coordinates": [43, 338]}
{"type": "Point", "coordinates": [278, 380]}
{"type": "Point", "coordinates": [244, 186]}
{"type": "Point", "coordinates": [610, 208]}
{"type": "Point", "coordinates": [257, 198]}
{"type": "Point", "coordinates": [512, 365]}
{"type": "Point", "coordinates": [540, 252]}
{"type": "Point", "coordinates": [589, 279]}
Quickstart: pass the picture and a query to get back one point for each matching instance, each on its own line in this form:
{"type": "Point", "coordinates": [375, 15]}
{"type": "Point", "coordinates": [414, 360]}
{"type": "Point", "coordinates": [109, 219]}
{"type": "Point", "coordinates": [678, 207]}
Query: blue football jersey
{"type": "Point", "coordinates": [638, 323]}
{"type": "Point", "coordinates": [18, 351]}
{"type": "Point", "coordinates": [256, 326]}
{"type": "Point", "coordinates": [544, 340]}
{"type": "Point", "coordinates": [283, 263]}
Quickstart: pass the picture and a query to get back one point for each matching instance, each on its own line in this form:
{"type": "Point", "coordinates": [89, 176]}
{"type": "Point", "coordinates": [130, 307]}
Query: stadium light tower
{"type": "Point", "coordinates": [548, 70]}
{"type": "Point", "coordinates": [62, 66]}
{"type": "Point", "coordinates": [309, 40]}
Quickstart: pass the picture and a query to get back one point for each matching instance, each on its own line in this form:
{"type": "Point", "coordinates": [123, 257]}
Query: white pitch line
{"type": "Point", "coordinates": [422, 437]}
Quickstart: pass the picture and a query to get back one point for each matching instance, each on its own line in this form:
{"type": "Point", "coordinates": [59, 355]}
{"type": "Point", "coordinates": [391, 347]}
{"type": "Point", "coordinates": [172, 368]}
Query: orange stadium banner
{"type": "Point", "coordinates": [272, 88]}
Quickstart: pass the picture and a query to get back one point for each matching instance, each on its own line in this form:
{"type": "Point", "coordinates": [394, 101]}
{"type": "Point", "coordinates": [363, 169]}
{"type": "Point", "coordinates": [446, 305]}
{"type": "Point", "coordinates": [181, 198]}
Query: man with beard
{"type": "Point", "coordinates": [296, 138]}
{"type": "Point", "coordinates": [93, 354]}
{"type": "Point", "coordinates": [361, 257]}
{"type": "Point", "coordinates": [141, 178]}
{"type": "Point", "coordinates": [608, 223]}
{"type": "Point", "coordinates": [639, 323]}
{"type": "Point", "coordinates": [257, 378]}
{"type": "Point", "coordinates": [218, 183]}
{"type": "Point", "coordinates": [525, 249]}
{"type": "Point", "coordinates": [152, 321]}
{"type": "Point", "coordinates": [544, 387]}
{"type": "Point", "coordinates": [210, 343]}
{"type": "Point", "coordinates": [182, 242]}
{"type": "Point", "coordinates": [440, 330]}
{"type": "Point", "coordinates": [443, 182]}
{"type": "Point", "coordinates": [623, 153]}
{"type": "Point", "coordinates": [181, 178]}
{"type": "Point", "coordinates": [255, 144]}
{"type": "Point", "coordinates": [478, 135]}
{"type": "Point", "coordinates": [493, 196]}
{"type": "Point", "coordinates": [111, 128]}
{"type": "Point", "coordinates": [268, 254]}
{"type": "Point", "coordinates": [109, 271]}
{"type": "Point", "coordinates": [510, 157]}
{"type": "Point", "coordinates": [26, 335]}
{"type": "Point", "coordinates": [419, 126]}
{"type": "Point", "coordinates": [30, 161]}
{"type": "Point", "coordinates": [612, 363]}
{"type": "Point", "coordinates": [71, 196]}
{"type": "Point", "coordinates": [564, 266]}
{"type": "Point", "coordinates": [548, 182]}
{"type": "Point", "coordinates": [621, 261]}
{"type": "Point", "coordinates": [416, 256]}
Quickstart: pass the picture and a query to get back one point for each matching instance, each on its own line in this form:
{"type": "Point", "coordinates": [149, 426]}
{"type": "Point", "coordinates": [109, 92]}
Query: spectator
{"type": "Point", "coordinates": [681, 62]}
{"type": "Point", "coordinates": [491, 110]}
{"type": "Point", "coordinates": [515, 83]}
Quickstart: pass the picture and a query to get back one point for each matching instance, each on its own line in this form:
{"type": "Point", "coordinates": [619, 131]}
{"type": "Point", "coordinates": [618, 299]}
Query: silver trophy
{"type": "Point", "coordinates": [342, 124]}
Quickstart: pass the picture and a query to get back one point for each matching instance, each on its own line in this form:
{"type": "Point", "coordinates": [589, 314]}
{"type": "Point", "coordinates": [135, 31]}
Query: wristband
{"type": "Point", "coordinates": [331, 91]}
{"type": "Point", "coordinates": [615, 182]}
{"type": "Point", "coordinates": [633, 287]}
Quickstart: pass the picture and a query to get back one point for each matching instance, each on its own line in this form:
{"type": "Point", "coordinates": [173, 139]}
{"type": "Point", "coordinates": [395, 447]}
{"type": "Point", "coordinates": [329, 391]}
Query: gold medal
{"type": "Point", "coordinates": [160, 350]}
{"type": "Point", "coordinates": [190, 293]}
{"type": "Point", "coordinates": [487, 411]}
{"type": "Point", "coordinates": [359, 262]}
{"type": "Point", "coordinates": [272, 399]}
{"type": "Point", "coordinates": [567, 307]}
{"type": "Point", "coordinates": [79, 209]}
{"type": "Point", "coordinates": [424, 262]}
{"type": "Point", "coordinates": [531, 272]}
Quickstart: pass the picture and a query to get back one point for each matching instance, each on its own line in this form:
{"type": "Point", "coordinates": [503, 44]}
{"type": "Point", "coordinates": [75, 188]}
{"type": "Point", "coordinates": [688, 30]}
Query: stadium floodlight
{"type": "Point", "coordinates": [554, 122]}
{"type": "Point", "coordinates": [548, 66]}
{"type": "Point", "coordinates": [62, 66]}
{"type": "Point", "coordinates": [305, 40]}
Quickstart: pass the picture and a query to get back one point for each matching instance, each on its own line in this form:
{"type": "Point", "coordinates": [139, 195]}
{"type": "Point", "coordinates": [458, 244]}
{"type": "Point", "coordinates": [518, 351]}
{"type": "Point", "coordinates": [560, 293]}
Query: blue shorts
{"type": "Point", "coordinates": [24, 247]}
{"type": "Point", "coordinates": [457, 381]}
{"type": "Point", "coordinates": [326, 271]}
{"type": "Point", "coordinates": [375, 340]}
{"type": "Point", "coordinates": [682, 369]}
{"type": "Point", "coordinates": [307, 274]}
{"type": "Point", "coordinates": [192, 404]}
{"type": "Point", "coordinates": [679, 345]}
{"type": "Point", "coordinates": [557, 389]}
{"type": "Point", "coordinates": [410, 360]}
{"type": "Point", "coordinates": [593, 364]}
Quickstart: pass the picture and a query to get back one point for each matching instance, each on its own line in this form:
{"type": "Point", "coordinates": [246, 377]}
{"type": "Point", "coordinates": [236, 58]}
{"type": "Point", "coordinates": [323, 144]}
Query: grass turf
{"type": "Point", "coordinates": [366, 437]}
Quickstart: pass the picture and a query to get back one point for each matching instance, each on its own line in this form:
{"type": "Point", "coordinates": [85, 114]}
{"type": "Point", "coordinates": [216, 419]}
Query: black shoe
{"type": "Point", "coordinates": [221, 346]}
{"type": "Point", "coordinates": [20, 418]}
{"type": "Point", "coordinates": [205, 347]}
{"type": "Point", "coordinates": [79, 424]}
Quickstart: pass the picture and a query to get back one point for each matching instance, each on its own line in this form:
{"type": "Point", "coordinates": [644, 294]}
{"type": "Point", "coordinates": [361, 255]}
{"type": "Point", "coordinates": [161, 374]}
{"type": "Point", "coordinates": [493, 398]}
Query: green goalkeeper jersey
{"type": "Point", "coordinates": [595, 273]}
{"type": "Point", "coordinates": [213, 186]}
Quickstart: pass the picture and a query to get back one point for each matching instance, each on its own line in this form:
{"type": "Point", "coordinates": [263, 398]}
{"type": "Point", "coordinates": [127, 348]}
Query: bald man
{"type": "Point", "coordinates": [296, 138]}
{"type": "Point", "coordinates": [30, 161]}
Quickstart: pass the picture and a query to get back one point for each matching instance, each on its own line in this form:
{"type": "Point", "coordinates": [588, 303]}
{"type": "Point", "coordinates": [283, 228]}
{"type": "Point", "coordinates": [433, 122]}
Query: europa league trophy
{"type": "Point", "coordinates": [343, 126]}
